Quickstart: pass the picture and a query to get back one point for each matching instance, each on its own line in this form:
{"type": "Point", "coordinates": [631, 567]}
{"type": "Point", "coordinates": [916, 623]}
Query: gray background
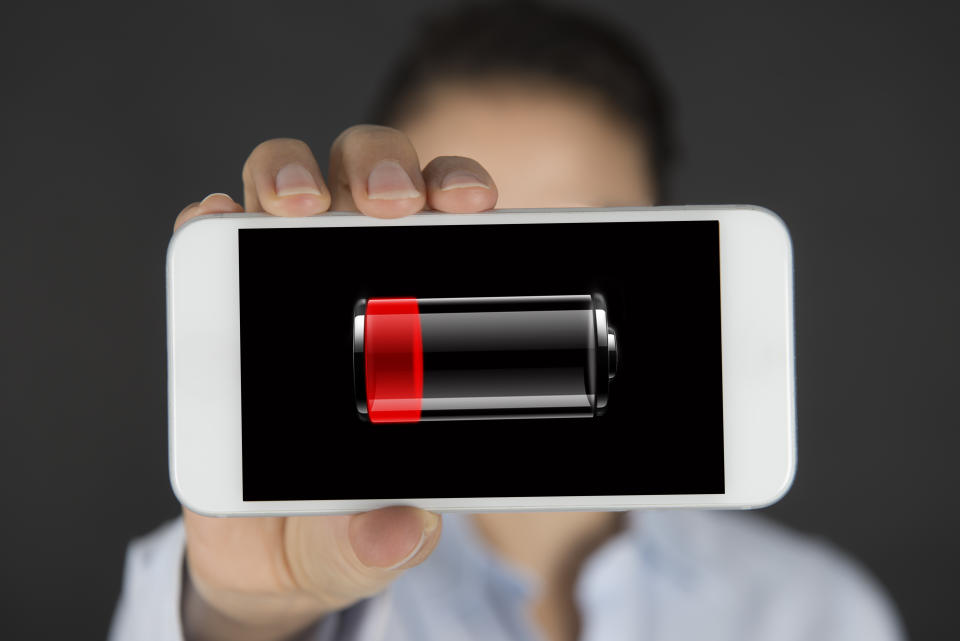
{"type": "Point", "coordinates": [840, 116]}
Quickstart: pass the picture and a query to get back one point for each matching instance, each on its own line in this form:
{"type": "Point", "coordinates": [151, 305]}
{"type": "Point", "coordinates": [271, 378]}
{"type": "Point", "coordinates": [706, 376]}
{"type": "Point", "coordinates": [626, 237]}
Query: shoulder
{"type": "Point", "coordinates": [157, 546]}
{"type": "Point", "coordinates": [149, 605]}
{"type": "Point", "coordinates": [793, 579]}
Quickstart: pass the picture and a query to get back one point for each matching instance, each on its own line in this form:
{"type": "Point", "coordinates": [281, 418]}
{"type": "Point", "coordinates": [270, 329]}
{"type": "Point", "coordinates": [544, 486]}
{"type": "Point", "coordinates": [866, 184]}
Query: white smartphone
{"type": "Point", "coordinates": [554, 359]}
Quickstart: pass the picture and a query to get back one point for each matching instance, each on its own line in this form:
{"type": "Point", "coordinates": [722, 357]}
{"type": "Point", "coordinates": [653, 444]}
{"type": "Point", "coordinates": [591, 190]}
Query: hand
{"type": "Point", "coordinates": [266, 578]}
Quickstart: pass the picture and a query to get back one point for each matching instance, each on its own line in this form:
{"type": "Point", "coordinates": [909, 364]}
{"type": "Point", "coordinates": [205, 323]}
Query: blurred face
{"type": "Point", "coordinates": [545, 145]}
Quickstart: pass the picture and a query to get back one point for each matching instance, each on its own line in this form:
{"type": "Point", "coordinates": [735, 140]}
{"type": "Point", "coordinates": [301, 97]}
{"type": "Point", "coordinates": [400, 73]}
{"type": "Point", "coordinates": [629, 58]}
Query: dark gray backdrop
{"type": "Point", "coordinates": [840, 116]}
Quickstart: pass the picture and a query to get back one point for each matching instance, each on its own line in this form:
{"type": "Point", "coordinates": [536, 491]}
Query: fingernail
{"type": "Point", "coordinates": [431, 521]}
{"type": "Point", "coordinates": [294, 179]}
{"type": "Point", "coordinates": [216, 193]}
{"type": "Point", "coordinates": [388, 181]}
{"type": "Point", "coordinates": [461, 179]}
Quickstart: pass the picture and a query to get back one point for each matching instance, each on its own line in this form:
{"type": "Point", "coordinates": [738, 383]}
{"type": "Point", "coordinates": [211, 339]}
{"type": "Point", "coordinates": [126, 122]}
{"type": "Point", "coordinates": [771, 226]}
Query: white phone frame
{"type": "Point", "coordinates": [757, 343]}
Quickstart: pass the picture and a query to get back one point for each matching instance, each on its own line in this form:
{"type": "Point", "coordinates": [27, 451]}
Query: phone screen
{"type": "Point", "coordinates": [530, 293]}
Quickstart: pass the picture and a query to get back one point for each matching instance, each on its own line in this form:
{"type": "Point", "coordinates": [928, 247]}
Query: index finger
{"type": "Point", "coordinates": [281, 177]}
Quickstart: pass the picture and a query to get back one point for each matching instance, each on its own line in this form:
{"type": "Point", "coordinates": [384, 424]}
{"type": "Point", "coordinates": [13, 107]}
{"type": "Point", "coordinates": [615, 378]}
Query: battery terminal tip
{"type": "Point", "coordinates": [612, 355]}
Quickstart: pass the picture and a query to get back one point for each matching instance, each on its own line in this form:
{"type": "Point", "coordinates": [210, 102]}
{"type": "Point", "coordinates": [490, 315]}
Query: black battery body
{"type": "Point", "coordinates": [420, 359]}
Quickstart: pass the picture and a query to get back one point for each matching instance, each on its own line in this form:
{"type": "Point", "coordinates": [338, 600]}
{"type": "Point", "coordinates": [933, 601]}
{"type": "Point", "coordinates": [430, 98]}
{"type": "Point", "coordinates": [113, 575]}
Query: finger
{"type": "Point", "coordinates": [375, 170]}
{"type": "Point", "coordinates": [265, 570]}
{"type": "Point", "coordinates": [281, 177]}
{"type": "Point", "coordinates": [217, 203]}
{"type": "Point", "coordinates": [344, 559]}
{"type": "Point", "coordinates": [458, 185]}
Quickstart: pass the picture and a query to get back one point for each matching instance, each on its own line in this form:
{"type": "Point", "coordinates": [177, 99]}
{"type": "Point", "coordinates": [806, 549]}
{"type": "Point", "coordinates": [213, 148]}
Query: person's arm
{"type": "Point", "coordinates": [268, 579]}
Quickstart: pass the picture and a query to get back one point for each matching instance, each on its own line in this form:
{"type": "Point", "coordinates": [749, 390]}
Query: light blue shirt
{"type": "Point", "coordinates": [670, 575]}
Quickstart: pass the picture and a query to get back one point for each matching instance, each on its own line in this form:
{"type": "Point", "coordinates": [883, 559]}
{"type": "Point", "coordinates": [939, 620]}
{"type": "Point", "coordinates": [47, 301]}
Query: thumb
{"type": "Point", "coordinates": [341, 560]}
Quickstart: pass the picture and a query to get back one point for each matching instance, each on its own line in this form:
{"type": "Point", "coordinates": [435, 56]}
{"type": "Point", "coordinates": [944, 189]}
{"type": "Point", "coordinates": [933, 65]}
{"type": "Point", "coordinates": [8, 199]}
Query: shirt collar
{"type": "Point", "coordinates": [465, 562]}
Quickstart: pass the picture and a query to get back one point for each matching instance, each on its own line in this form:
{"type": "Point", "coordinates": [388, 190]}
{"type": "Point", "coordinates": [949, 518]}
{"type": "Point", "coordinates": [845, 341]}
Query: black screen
{"type": "Point", "coordinates": [303, 437]}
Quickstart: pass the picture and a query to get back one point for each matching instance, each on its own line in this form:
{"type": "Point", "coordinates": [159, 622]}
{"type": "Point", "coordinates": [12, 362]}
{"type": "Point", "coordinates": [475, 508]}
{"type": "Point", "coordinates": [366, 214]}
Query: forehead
{"type": "Point", "coordinates": [545, 145]}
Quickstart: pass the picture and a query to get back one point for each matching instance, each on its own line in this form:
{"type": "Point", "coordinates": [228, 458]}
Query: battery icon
{"type": "Point", "coordinates": [422, 359]}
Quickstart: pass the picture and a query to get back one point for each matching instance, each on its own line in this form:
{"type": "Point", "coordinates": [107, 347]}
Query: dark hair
{"type": "Point", "coordinates": [529, 38]}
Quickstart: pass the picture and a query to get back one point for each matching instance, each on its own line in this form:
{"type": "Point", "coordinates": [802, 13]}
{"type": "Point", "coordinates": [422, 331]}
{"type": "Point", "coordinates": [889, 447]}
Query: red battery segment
{"type": "Point", "coordinates": [421, 359]}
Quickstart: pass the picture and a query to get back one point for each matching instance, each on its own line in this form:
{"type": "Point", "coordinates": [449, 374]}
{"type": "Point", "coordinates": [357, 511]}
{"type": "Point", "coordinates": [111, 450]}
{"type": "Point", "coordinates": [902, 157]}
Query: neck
{"type": "Point", "coordinates": [552, 546]}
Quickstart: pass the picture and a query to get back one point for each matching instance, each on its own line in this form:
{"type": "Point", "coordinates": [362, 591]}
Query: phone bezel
{"type": "Point", "coordinates": [757, 347]}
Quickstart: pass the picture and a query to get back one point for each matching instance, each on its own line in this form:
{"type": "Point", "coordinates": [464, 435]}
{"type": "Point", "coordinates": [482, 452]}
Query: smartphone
{"type": "Point", "coordinates": [554, 359]}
